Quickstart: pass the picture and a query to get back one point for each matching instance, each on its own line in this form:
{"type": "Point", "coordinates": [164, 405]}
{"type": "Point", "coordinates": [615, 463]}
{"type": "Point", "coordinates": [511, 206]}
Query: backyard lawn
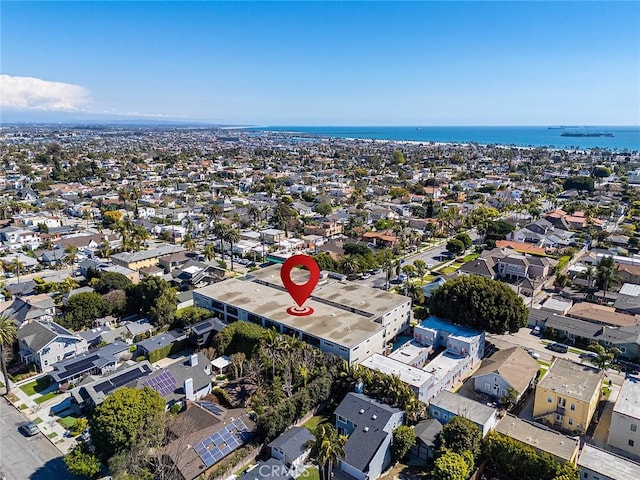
{"type": "Point", "coordinates": [471, 256]}
{"type": "Point", "coordinates": [69, 421]}
{"type": "Point", "coordinates": [314, 421]}
{"type": "Point", "coordinates": [37, 386]}
{"type": "Point", "coordinates": [310, 473]}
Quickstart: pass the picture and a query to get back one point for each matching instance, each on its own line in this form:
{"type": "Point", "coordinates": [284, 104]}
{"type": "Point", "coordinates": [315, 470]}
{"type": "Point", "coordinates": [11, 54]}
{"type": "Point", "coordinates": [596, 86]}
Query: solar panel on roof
{"type": "Point", "coordinates": [221, 443]}
{"type": "Point", "coordinates": [164, 383]}
{"type": "Point", "coordinates": [212, 407]}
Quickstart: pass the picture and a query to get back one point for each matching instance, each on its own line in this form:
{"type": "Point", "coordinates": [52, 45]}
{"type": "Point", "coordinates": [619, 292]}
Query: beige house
{"type": "Point", "coordinates": [511, 368]}
{"type": "Point", "coordinates": [144, 258]}
{"type": "Point", "coordinates": [567, 396]}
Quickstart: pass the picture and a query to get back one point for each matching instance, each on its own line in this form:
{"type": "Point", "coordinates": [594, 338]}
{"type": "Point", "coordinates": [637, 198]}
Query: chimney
{"type": "Point", "coordinates": [188, 389]}
{"type": "Point", "coordinates": [193, 360]}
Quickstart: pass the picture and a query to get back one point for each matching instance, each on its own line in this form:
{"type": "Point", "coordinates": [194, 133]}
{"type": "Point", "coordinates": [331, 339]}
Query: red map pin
{"type": "Point", "coordinates": [300, 292]}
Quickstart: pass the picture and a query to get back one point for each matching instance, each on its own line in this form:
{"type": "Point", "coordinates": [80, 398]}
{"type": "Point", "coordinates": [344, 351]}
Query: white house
{"type": "Point", "coordinates": [624, 432]}
{"type": "Point", "coordinates": [44, 343]}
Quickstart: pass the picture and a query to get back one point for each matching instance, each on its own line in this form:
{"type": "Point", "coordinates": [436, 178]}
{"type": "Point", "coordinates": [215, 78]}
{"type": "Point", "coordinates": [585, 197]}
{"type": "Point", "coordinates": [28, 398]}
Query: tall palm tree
{"type": "Point", "coordinates": [606, 276]}
{"type": "Point", "coordinates": [349, 266]}
{"type": "Point", "coordinates": [8, 335]}
{"type": "Point", "coordinates": [17, 266]}
{"type": "Point", "coordinates": [219, 233]}
{"type": "Point", "coordinates": [72, 250]}
{"type": "Point", "coordinates": [189, 243]}
{"type": "Point", "coordinates": [105, 248]}
{"type": "Point", "coordinates": [269, 348]}
{"type": "Point", "coordinates": [327, 448]}
{"type": "Point", "coordinates": [231, 235]}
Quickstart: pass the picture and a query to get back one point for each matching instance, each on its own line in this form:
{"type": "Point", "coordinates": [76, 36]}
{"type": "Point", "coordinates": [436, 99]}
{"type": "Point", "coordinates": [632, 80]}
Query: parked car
{"type": "Point", "coordinates": [533, 354]}
{"type": "Point", "coordinates": [536, 330]}
{"type": "Point", "coordinates": [85, 436]}
{"type": "Point", "coordinates": [364, 276]}
{"type": "Point", "coordinates": [29, 429]}
{"type": "Point", "coordinates": [376, 271]}
{"type": "Point", "coordinates": [558, 347]}
{"type": "Point", "coordinates": [588, 355]}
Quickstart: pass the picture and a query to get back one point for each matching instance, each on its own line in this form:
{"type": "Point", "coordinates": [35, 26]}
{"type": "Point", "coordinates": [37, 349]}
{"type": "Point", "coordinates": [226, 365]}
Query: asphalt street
{"type": "Point", "coordinates": [23, 458]}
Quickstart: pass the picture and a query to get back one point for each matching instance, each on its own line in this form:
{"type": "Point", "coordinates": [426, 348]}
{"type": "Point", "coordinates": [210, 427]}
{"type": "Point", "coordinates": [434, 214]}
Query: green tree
{"type": "Point", "coordinates": [110, 281]}
{"type": "Point", "coordinates": [81, 462]}
{"type": "Point", "coordinates": [580, 183]}
{"type": "Point", "coordinates": [451, 466]}
{"type": "Point", "coordinates": [403, 439]}
{"type": "Point", "coordinates": [421, 269]}
{"type": "Point", "coordinates": [83, 309]}
{"type": "Point", "coordinates": [605, 356]}
{"type": "Point", "coordinates": [163, 312]}
{"type": "Point", "coordinates": [327, 449]}
{"type": "Point", "coordinates": [8, 335]}
{"type": "Point", "coordinates": [143, 296]}
{"type": "Point", "coordinates": [190, 315]}
{"type": "Point", "coordinates": [465, 239]}
{"type": "Point", "coordinates": [126, 417]}
{"type": "Point", "coordinates": [606, 275]}
{"type": "Point", "coordinates": [323, 209]}
{"type": "Point", "coordinates": [455, 246]}
{"type": "Point", "coordinates": [231, 235]}
{"type": "Point", "coordinates": [398, 157]}
{"type": "Point", "coordinates": [460, 435]}
{"type": "Point", "coordinates": [480, 303]}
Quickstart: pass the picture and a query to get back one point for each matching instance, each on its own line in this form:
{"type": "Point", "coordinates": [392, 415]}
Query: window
{"type": "Point", "coordinates": [631, 443]}
{"type": "Point", "coordinates": [342, 419]}
{"type": "Point", "coordinates": [435, 413]}
{"type": "Point", "coordinates": [573, 406]}
{"type": "Point", "coordinates": [570, 421]}
{"type": "Point", "coordinates": [634, 427]}
{"type": "Point", "coordinates": [549, 400]}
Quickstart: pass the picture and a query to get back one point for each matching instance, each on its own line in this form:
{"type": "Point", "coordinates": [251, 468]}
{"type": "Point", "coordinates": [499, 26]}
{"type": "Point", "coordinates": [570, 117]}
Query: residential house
{"type": "Point", "coordinates": [159, 342]}
{"type": "Point", "coordinates": [144, 258]}
{"type": "Point", "coordinates": [44, 342]}
{"type": "Point", "coordinates": [446, 405]}
{"type": "Point", "coordinates": [512, 368]}
{"type": "Point", "coordinates": [369, 425]}
{"type": "Point", "coordinates": [270, 469]}
{"type": "Point", "coordinates": [292, 447]}
{"type": "Point", "coordinates": [92, 390]}
{"type": "Point", "coordinates": [624, 431]}
{"type": "Point", "coordinates": [96, 362]}
{"type": "Point", "coordinates": [597, 464]}
{"type": "Point", "coordinates": [564, 449]}
{"type": "Point", "coordinates": [203, 435]}
{"type": "Point", "coordinates": [380, 239]}
{"type": "Point", "coordinates": [202, 333]}
{"type": "Point", "coordinates": [182, 380]}
{"type": "Point", "coordinates": [567, 396]}
{"type": "Point", "coordinates": [33, 307]}
{"type": "Point", "coordinates": [325, 229]}
{"type": "Point", "coordinates": [272, 235]}
{"type": "Point", "coordinates": [427, 432]}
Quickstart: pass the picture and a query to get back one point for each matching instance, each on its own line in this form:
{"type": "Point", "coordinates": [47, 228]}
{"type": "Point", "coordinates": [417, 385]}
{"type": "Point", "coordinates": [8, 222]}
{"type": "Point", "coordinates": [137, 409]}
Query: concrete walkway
{"type": "Point", "coordinates": [602, 430]}
{"type": "Point", "coordinates": [41, 414]}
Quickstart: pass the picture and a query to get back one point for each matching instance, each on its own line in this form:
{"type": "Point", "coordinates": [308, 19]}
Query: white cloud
{"type": "Point", "coordinates": [28, 93]}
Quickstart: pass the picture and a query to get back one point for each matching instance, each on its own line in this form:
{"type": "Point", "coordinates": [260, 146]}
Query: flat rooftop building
{"type": "Point", "coordinates": [419, 380]}
{"type": "Point", "coordinates": [350, 320]}
{"type": "Point", "coordinates": [597, 464]}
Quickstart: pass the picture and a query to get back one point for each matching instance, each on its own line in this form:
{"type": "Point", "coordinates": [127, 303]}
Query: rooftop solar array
{"type": "Point", "coordinates": [81, 365]}
{"type": "Point", "coordinates": [163, 383]}
{"type": "Point", "coordinates": [214, 448]}
{"type": "Point", "coordinates": [212, 407]}
{"type": "Point", "coordinates": [122, 379]}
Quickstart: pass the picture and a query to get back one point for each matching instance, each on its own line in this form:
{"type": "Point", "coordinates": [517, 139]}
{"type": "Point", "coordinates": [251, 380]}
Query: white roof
{"type": "Point", "coordinates": [221, 362]}
{"type": "Point", "coordinates": [630, 289]}
{"type": "Point", "coordinates": [608, 464]}
{"type": "Point", "coordinates": [410, 375]}
{"type": "Point", "coordinates": [628, 402]}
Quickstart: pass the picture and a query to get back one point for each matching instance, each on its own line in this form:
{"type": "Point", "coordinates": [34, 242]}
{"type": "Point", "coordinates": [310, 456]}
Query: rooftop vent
{"type": "Point", "coordinates": [362, 410]}
{"type": "Point", "coordinates": [374, 417]}
{"type": "Point", "coordinates": [366, 429]}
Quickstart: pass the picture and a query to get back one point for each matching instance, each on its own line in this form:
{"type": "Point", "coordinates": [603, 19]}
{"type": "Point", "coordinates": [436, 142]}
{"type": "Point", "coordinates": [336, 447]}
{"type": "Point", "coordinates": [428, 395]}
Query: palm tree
{"type": "Point", "coordinates": [188, 242]}
{"type": "Point", "coordinates": [139, 235]}
{"type": "Point", "coordinates": [327, 448]}
{"type": "Point", "coordinates": [17, 266]}
{"type": "Point", "coordinates": [414, 291]}
{"type": "Point", "coordinates": [421, 269]}
{"type": "Point", "coordinates": [604, 357]}
{"type": "Point", "coordinates": [105, 248]}
{"type": "Point", "coordinates": [8, 335]}
{"type": "Point", "coordinates": [269, 348]}
{"type": "Point", "coordinates": [72, 250]}
{"type": "Point", "coordinates": [606, 276]}
{"type": "Point", "coordinates": [209, 251]}
{"type": "Point", "coordinates": [219, 233]}
{"type": "Point", "coordinates": [349, 266]}
{"type": "Point", "coordinates": [231, 235]}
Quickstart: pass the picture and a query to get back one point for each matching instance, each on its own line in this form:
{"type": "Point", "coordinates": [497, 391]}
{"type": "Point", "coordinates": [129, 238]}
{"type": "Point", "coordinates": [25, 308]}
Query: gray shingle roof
{"type": "Point", "coordinates": [292, 442]}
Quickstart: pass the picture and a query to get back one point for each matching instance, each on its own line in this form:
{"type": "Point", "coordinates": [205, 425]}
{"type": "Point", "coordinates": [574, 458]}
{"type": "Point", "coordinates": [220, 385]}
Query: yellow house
{"type": "Point", "coordinates": [567, 396]}
{"type": "Point", "coordinates": [144, 258]}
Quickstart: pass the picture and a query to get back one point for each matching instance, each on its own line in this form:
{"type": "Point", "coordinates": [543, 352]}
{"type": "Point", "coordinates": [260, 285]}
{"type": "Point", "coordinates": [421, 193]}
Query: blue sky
{"type": "Point", "coordinates": [318, 63]}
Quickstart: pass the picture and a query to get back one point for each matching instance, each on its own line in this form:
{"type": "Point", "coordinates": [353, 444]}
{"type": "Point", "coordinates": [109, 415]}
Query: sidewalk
{"type": "Point", "coordinates": [41, 414]}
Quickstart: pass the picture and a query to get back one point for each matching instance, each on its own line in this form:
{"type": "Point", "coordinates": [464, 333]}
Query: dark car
{"type": "Point", "coordinates": [29, 429]}
{"type": "Point", "coordinates": [588, 355]}
{"type": "Point", "coordinates": [558, 347]}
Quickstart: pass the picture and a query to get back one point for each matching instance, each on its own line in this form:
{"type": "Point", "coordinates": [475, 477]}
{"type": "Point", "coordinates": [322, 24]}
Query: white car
{"type": "Point", "coordinates": [533, 354]}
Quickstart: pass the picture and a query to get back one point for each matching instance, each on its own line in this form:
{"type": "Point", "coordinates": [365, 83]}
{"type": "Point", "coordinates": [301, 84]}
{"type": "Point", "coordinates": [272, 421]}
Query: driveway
{"type": "Point", "coordinates": [27, 457]}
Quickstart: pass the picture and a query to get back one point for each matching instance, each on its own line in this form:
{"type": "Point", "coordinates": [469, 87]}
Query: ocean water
{"type": "Point", "coordinates": [624, 138]}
